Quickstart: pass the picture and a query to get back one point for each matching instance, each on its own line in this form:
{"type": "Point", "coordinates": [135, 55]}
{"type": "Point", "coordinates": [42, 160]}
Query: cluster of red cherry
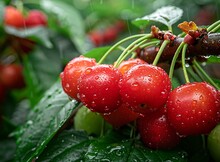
{"type": "Point", "coordinates": [15, 18]}
{"type": "Point", "coordinates": [108, 35]}
{"type": "Point", "coordinates": [11, 74]}
{"type": "Point", "coordinates": [136, 90]}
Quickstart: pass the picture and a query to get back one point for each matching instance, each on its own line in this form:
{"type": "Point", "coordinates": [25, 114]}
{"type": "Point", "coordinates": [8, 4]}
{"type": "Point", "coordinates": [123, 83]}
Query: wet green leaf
{"type": "Point", "coordinates": [39, 34]}
{"type": "Point", "coordinates": [167, 15]}
{"type": "Point", "coordinates": [70, 145]}
{"type": "Point", "coordinates": [42, 68]}
{"type": "Point", "coordinates": [7, 150]}
{"type": "Point", "coordinates": [69, 18]}
{"type": "Point", "coordinates": [43, 122]}
{"type": "Point", "coordinates": [116, 147]}
{"type": "Point", "coordinates": [97, 53]}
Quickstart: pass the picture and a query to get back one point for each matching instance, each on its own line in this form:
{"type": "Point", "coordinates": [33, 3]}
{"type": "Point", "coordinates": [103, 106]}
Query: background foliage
{"type": "Point", "coordinates": [35, 120]}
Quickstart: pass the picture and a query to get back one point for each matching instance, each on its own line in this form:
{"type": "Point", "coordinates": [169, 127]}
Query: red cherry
{"type": "Point", "coordinates": [13, 17]}
{"type": "Point", "coordinates": [156, 132]}
{"type": "Point", "coordinates": [110, 34]}
{"type": "Point", "coordinates": [36, 18]}
{"type": "Point", "coordinates": [72, 72]}
{"type": "Point", "coordinates": [192, 108]}
{"type": "Point", "coordinates": [145, 88]}
{"type": "Point", "coordinates": [11, 76]}
{"type": "Point", "coordinates": [120, 25]}
{"type": "Point", "coordinates": [98, 88]}
{"type": "Point", "coordinates": [128, 64]}
{"type": "Point", "coordinates": [123, 115]}
{"type": "Point", "coordinates": [96, 38]}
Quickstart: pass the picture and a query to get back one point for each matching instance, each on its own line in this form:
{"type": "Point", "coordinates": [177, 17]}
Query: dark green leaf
{"type": "Point", "coordinates": [196, 152]}
{"type": "Point", "coordinates": [42, 68]}
{"type": "Point", "coordinates": [111, 147]}
{"type": "Point", "coordinates": [70, 19]}
{"type": "Point", "coordinates": [44, 121]}
{"type": "Point", "coordinates": [7, 150]}
{"type": "Point", "coordinates": [70, 145]}
{"type": "Point", "coordinates": [116, 147]}
{"type": "Point", "coordinates": [141, 153]}
{"type": "Point", "coordinates": [167, 15]}
{"type": "Point", "coordinates": [40, 34]}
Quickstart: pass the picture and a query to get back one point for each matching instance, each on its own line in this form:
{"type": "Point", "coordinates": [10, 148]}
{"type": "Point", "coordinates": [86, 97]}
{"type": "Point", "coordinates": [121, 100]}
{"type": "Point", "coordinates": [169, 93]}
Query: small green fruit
{"type": "Point", "coordinates": [214, 143]}
{"type": "Point", "coordinates": [89, 121]}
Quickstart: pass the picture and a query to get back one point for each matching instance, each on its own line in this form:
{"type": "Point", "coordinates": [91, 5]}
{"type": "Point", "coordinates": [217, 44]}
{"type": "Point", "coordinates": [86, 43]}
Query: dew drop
{"type": "Point", "coordinates": [88, 70]}
{"type": "Point", "coordinates": [201, 97]}
{"type": "Point", "coordinates": [93, 104]}
{"type": "Point", "coordinates": [178, 117]}
{"type": "Point", "coordinates": [83, 96]}
{"type": "Point", "coordinates": [178, 102]}
{"type": "Point", "coordinates": [96, 77]}
{"type": "Point", "coordinates": [135, 86]}
{"type": "Point", "coordinates": [194, 102]}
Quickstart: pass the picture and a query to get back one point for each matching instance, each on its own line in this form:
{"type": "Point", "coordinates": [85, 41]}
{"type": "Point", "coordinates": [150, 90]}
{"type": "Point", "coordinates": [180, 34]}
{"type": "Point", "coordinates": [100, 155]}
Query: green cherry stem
{"type": "Point", "coordinates": [208, 78]}
{"type": "Point", "coordinates": [134, 48]}
{"type": "Point", "coordinates": [155, 42]}
{"type": "Point", "coordinates": [151, 43]}
{"type": "Point", "coordinates": [215, 29]}
{"type": "Point", "coordinates": [159, 53]}
{"type": "Point", "coordinates": [118, 44]}
{"type": "Point", "coordinates": [211, 27]}
{"type": "Point", "coordinates": [132, 45]}
{"type": "Point", "coordinates": [174, 60]}
{"type": "Point", "coordinates": [193, 75]}
{"type": "Point", "coordinates": [184, 63]}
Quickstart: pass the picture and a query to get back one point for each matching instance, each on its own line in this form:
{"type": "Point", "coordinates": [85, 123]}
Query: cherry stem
{"type": "Point", "coordinates": [132, 45]}
{"type": "Point", "coordinates": [174, 59]}
{"type": "Point", "coordinates": [198, 72]}
{"type": "Point", "coordinates": [170, 28]}
{"type": "Point", "coordinates": [119, 43]}
{"type": "Point", "coordinates": [159, 53]}
{"type": "Point", "coordinates": [208, 78]}
{"type": "Point", "coordinates": [134, 48]}
{"type": "Point", "coordinates": [184, 63]}
{"type": "Point", "coordinates": [215, 29]}
{"type": "Point", "coordinates": [150, 43]}
{"type": "Point", "coordinates": [194, 75]}
{"type": "Point", "coordinates": [211, 27]}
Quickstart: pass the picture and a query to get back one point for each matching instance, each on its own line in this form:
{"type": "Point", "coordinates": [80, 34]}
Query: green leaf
{"type": "Point", "coordinates": [7, 150]}
{"type": "Point", "coordinates": [196, 152]}
{"type": "Point", "coordinates": [116, 147]}
{"type": "Point", "coordinates": [111, 147]}
{"type": "Point", "coordinates": [167, 15]}
{"type": "Point", "coordinates": [70, 145]}
{"type": "Point", "coordinates": [69, 18]}
{"type": "Point", "coordinates": [39, 34]}
{"type": "Point", "coordinates": [97, 53]}
{"type": "Point", "coordinates": [42, 67]}
{"type": "Point", "coordinates": [141, 153]}
{"type": "Point", "coordinates": [43, 122]}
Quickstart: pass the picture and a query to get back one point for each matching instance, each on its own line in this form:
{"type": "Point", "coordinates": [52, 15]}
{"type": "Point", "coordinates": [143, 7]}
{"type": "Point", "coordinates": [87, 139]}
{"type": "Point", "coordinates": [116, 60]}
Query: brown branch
{"type": "Point", "coordinates": [207, 45]}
